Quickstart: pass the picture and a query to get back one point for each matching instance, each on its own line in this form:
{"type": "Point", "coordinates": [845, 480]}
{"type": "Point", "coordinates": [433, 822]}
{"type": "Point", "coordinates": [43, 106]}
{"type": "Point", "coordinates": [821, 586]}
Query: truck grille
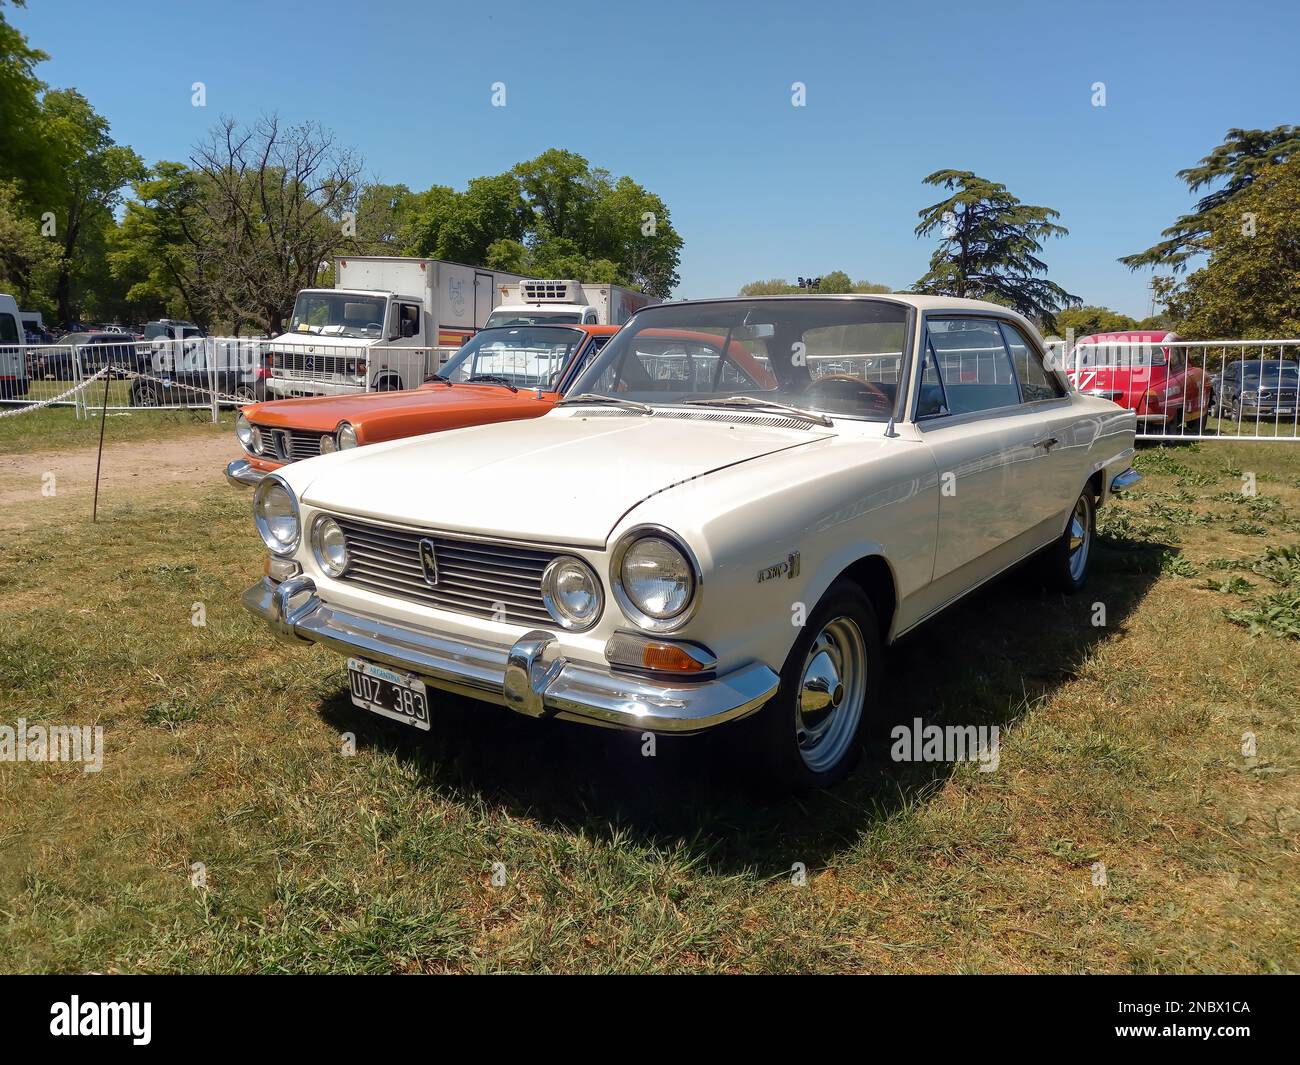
{"type": "Point", "coordinates": [479, 578]}
{"type": "Point", "coordinates": [289, 445]}
{"type": "Point", "coordinates": [305, 366]}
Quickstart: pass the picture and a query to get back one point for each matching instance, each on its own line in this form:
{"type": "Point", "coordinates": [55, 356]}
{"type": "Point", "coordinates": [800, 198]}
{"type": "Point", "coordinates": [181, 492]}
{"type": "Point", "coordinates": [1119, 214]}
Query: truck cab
{"type": "Point", "coordinates": [566, 302]}
{"type": "Point", "coordinates": [13, 350]}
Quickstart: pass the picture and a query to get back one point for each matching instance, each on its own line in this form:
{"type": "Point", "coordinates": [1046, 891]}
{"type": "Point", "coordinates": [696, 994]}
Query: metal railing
{"type": "Point", "coordinates": [1193, 389]}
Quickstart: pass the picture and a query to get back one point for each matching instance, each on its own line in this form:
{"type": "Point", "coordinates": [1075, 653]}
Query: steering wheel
{"type": "Point", "coordinates": [851, 391]}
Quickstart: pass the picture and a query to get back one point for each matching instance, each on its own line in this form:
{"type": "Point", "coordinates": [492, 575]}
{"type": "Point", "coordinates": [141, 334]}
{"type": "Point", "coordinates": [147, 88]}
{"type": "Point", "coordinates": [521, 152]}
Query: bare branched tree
{"type": "Point", "coordinates": [276, 205]}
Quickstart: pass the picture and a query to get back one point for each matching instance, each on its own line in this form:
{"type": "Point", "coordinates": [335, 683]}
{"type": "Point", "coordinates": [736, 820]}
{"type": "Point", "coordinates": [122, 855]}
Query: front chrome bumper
{"type": "Point", "coordinates": [527, 677]}
{"type": "Point", "coordinates": [241, 472]}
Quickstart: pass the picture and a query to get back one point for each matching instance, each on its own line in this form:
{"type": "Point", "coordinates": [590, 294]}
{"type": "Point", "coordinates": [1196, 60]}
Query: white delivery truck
{"type": "Point", "coordinates": [13, 350]}
{"type": "Point", "coordinates": [379, 327]}
{"type": "Point", "coordinates": [530, 302]}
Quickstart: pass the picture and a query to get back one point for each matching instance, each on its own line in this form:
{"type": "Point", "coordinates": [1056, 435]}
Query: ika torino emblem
{"type": "Point", "coordinates": [788, 569]}
{"type": "Point", "coordinates": [429, 562]}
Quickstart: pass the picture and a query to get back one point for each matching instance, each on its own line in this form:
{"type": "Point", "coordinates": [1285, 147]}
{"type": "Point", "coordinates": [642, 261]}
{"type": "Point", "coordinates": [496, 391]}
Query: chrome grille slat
{"type": "Point", "coordinates": [299, 443]}
{"type": "Point", "coordinates": [479, 578]}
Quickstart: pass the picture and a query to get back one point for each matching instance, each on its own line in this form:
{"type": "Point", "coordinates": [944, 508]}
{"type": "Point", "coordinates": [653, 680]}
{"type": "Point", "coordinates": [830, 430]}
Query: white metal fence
{"type": "Point", "coordinates": [1194, 389]}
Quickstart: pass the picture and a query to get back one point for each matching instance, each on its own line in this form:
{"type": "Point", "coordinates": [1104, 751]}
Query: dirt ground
{"type": "Point", "coordinates": [129, 471]}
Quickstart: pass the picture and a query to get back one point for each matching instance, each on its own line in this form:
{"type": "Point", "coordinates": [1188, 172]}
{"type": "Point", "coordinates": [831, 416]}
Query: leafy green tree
{"type": "Point", "coordinates": [28, 261]}
{"type": "Point", "coordinates": [25, 156]}
{"type": "Point", "coordinates": [632, 228]}
{"type": "Point", "coordinates": [1236, 163]}
{"type": "Point", "coordinates": [837, 280]}
{"type": "Point", "coordinates": [989, 243]}
{"type": "Point", "coordinates": [1250, 286]}
{"type": "Point", "coordinates": [92, 172]}
{"type": "Point", "coordinates": [1090, 319]}
{"type": "Point", "coordinates": [490, 209]}
{"type": "Point", "coordinates": [384, 219]}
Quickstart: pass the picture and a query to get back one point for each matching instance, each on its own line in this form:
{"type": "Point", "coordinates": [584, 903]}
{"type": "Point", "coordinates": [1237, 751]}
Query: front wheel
{"type": "Point", "coordinates": [810, 734]}
{"type": "Point", "coordinates": [1068, 560]}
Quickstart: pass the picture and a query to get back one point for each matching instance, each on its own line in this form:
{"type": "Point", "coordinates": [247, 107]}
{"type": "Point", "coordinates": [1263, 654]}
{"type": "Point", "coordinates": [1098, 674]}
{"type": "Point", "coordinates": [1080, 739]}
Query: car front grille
{"type": "Point", "coordinates": [476, 577]}
{"type": "Point", "coordinates": [289, 445]}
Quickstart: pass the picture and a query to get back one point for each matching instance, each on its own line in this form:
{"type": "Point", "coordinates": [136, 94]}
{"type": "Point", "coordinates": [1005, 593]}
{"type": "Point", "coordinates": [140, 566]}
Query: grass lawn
{"type": "Point", "coordinates": [327, 840]}
{"type": "Point", "coordinates": [58, 428]}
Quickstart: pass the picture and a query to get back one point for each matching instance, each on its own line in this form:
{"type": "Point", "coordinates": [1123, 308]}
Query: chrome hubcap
{"type": "Point", "coordinates": [1080, 537]}
{"type": "Point", "coordinates": [832, 689]}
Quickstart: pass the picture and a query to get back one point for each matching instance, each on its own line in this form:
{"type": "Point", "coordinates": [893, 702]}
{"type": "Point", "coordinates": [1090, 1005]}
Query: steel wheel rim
{"type": "Point", "coordinates": [1080, 538]}
{"type": "Point", "coordinates": [832, 690]}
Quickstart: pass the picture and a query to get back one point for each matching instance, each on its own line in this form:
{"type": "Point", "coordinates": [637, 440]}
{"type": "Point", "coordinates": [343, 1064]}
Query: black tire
{"type": "Point", "coordinates": [146, 394]}
{"type": "Point", "coordinates": [778, 760]}
{"type": "Point", "coordinates": [1062, 570]}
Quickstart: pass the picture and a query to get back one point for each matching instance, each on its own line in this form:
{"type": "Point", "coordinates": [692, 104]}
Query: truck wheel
{"type": "Point", "coordinates": [809, 735]}
{"type": "Point", "coordinates": [388, 384]}
{"type": "Point", "coordinates": [1066, 562]}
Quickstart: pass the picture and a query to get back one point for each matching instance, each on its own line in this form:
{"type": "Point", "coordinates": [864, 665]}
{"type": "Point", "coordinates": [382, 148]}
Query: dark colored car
{"type": "Point", "coordinates": [92, 351]}
{"type": "Point", "coordinates": [1257, 388]}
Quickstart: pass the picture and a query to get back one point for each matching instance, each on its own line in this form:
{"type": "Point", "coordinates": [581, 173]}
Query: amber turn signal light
{"type": "Point", "coordinates": [659, 656]}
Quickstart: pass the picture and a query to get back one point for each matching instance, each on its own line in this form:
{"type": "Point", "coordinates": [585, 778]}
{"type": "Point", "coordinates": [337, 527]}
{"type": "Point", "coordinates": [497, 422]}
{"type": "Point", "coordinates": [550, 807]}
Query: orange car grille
{"type": "Point", "coordinates": [486, 580]}
{"type": "Point", "coordinates": [289, 445]}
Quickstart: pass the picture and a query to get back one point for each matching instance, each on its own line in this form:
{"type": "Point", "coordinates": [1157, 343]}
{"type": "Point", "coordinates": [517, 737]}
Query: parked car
{"type": "Point", "coordinates": [500, 375]}
{"type": "Point", "coordinates": [1139, 370]}
{"type": "Point", "coordinates": [91, 351]}
{"type": "Point", "coordinates": [1257, 388]}
{"type": "Point", "coordinates": [689, 538]}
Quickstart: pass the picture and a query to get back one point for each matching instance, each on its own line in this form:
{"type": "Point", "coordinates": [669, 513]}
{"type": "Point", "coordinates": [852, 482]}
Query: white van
{"type": "Point", "coordinates": [13, 350]}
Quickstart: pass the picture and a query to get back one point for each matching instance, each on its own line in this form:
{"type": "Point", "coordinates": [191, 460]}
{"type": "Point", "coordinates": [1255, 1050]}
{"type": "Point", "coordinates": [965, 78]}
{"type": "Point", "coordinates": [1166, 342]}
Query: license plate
{"type": "Point", "coordinates": [388, 693]}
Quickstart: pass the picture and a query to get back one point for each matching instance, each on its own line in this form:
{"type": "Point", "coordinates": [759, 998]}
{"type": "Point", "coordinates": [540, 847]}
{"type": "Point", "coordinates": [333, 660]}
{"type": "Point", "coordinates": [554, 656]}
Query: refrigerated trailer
{"type": "Point", "coordinates": [381, 325]}
{"type": "Point", "coordinates": [538, 302]}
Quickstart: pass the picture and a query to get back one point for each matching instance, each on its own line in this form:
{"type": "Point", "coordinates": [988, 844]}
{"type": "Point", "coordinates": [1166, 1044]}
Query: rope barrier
{"type": "Point", "coordinates": [41, 404]}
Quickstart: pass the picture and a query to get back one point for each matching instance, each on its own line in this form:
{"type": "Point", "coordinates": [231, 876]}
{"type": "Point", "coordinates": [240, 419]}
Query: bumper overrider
{"type": "Point", "coordinates": [526, 676]}
{"type": "Point", "coordinates": [244, 474]}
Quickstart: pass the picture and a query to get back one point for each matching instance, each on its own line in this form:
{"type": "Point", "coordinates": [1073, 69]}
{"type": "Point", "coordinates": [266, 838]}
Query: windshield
{"type": "Point", "coordinates": [531, 357]}
{"type": "Point", "coordinates": [1269, 376]}
{"type": "Point", "coordinates": [835, 356]}
{"type": "Point", "coordinates": [344, 314]}
{"type": "Point", "coordinates": [1122, 354]}
{"type": "Point", "coordinates": [533, 318]}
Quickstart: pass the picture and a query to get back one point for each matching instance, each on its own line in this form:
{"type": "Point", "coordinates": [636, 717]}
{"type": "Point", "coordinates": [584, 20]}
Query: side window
{"type": "Point", "coordinates": [409, 320]}
{"type": "Point", "coordinates": [973, 364]}
{"type": "Point", "coordinates": [931, 402]}
{"type": "Point", "coordinates": [8, 329]}
{"type": "Point", "coordinates": [1035, 382]}
{"type": "Point", "coordinates": [1176, 360]}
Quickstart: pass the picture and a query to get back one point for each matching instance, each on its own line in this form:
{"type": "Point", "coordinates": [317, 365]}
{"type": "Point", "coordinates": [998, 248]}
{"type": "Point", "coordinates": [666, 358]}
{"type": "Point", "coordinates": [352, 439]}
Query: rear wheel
{"type": "Point", "coordinates": [810, 734]}
{"type": "Point", "coordinates": [1067, 562]}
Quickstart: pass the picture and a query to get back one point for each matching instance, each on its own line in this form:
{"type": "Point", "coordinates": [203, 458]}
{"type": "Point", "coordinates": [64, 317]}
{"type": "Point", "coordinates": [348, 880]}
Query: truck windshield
{"type": "Point", "coordinates": [497, 318]}
{"type": "Point", "coordinates": [831, 356]}
{"type": "Point", "coordinates": [344, 314]}
{"type": "Point", "coordinates": [528, 357]}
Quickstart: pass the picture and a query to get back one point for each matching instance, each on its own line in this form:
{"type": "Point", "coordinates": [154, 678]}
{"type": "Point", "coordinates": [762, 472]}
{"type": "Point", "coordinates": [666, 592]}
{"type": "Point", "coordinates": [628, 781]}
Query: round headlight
{"type": "Point", "coordinates": [255, 440]}
{"type": "Point", "coordinates": [656, 579]}
{"type": "Point", "coordinates": [244, 430]}
{"type": "Point", "coordinates": [327, 444]}
{"type": "Point", "coordinates": [347, 437]}
{"type": "Point", "coordinates": [571, 592]}
{"type": "Point", "coordinates": [275, 513]}
{"type": "Point", "coordinates": [329, 546]}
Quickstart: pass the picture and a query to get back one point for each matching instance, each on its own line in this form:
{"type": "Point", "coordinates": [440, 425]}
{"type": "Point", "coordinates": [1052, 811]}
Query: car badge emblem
{"type": "Point", "coordinates": [429, 562]}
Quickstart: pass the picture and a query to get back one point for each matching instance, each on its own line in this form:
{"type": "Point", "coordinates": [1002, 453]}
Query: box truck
{"type": "Point", "coordinates": [532, 302]}
{"type": "Point", "coordinates": [379, 327]}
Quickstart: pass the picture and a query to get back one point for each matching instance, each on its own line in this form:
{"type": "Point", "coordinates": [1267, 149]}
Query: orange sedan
{"type": "Point", "coordinates": [500, 375]}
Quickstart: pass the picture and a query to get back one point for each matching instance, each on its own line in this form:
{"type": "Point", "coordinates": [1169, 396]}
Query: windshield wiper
{"type": "Point", "coordinates": [493, 379]}
{"type": "Point", "coordinates": [596, 397]}
{"type": "Point", "coordinates": [756, 403]}
{"type": "Point", "coordinates": [439, 378]}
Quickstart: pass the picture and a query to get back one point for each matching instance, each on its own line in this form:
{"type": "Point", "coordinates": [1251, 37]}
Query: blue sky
{"type": "Point", "coordinates": [693, 100]}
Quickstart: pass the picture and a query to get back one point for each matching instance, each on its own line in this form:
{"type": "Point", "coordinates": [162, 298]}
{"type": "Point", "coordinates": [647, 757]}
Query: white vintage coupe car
{"type": "Point", "coordinates": [737, 506]}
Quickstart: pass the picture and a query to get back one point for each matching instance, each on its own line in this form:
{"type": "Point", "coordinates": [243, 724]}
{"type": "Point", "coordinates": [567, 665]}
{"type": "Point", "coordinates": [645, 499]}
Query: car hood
{"type": "Point", "coordinates": [323, 413]}
{"type": "Point", "coordinates": [562, 479]}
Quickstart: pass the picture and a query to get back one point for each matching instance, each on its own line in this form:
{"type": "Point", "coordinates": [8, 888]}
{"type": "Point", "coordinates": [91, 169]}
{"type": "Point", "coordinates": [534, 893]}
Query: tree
{"type": "Point", "coordinates": [1248, 288]}
{"type": "Point", "coordinates": [25, 158]}
{"type": "Point", "coordinates": [1237, 162]}
{"type": "Point", "coordinates": [28, 261]}
{"type": "Point", "coordinates": [153, 251]}
{"type": "Point", "coordinates": [273, 210]}
{"type": "Point", "coordinates": [1086, 320]}
{"type": "Point", "coordinates": [989, 246]}
{"type": "Point", "coordinates": [385, 216]}
{"type": "Point", "coordinates": [836, 281]}
{"type": "Point", "coordinates": [91, 172]}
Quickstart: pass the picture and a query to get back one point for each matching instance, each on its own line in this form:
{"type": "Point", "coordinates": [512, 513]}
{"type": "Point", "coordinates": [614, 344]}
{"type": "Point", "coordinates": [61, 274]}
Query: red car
{"type": "Point", "coordinates": [1141, 371]}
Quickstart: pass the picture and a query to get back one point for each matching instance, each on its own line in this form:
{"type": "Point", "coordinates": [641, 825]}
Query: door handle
{"type": "Point", "coordinates": [1047, 443]}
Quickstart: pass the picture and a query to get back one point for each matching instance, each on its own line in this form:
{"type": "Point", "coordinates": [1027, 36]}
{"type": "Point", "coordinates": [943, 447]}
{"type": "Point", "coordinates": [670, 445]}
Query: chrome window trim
{"type": "Point", "coordinates": [630, 610]}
